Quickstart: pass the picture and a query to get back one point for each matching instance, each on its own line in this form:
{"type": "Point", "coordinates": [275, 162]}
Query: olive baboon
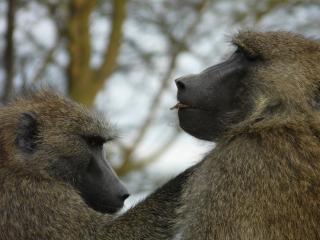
{"type": "Point", "coordinates": [261, 106]}
{"type": "Point", "coordinates": [55, 183]}
{"type": "Point", "coordinates": [51, 150]}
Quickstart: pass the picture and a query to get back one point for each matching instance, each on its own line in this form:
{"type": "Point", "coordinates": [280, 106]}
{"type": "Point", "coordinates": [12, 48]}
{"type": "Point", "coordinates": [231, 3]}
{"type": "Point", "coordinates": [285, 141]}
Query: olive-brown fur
{"type": "Point", "coordinates": [33, 204]}
{"type": "Point", "coordinates": [262, 180]}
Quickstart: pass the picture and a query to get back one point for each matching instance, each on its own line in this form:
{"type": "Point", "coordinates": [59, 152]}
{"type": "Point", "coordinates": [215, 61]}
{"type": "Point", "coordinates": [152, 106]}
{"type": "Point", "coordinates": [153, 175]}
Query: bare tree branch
{"type": "Point", "coordinates": [162, 149]}
{"type": "Point", "coordinates": [112, 50]}
{"type": "Point", "coordinates": [53, 10]}
{"type": "Point", "coordinates": [9, 51]}
{"type": "Point", "coordinates": [79, 48]}
{"type": "Point", "coordinates": [270, 6]}
{"type": "Point", "coordinates": [128, 165]}
{"type": "Point", "coordinates": [167, 76]}
{"type": "Point", "coordinates": [46, 61]}
{"type": "Point", "coordinates": [178, 46]}
{"type": "Point", "coordinates": [82, 77]}
{"type": "Point", "coordinates": [24, 76]}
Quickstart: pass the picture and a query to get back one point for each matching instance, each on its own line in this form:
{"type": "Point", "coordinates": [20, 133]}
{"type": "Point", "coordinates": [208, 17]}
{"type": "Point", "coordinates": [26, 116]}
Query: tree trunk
{"type": "Point", "coordinates": [9, 51]}
{"type": "Point", "coordinates": [84, 82]}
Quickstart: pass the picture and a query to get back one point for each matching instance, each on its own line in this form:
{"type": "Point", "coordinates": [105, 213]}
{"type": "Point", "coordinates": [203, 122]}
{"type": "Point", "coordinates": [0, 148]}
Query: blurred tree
{"type": "Point", "coordinates": [176, 45]}
{"type": "Point", "coordinates": [178, 28]}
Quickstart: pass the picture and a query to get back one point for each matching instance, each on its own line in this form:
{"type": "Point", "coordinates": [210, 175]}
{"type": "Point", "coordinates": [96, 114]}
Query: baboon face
{"type": "Point", "coordinates": [66, 141]}
{"type": "Point", "coordinates": [209, 101]}
{"type": "Point", "coordinates": [221, 96]}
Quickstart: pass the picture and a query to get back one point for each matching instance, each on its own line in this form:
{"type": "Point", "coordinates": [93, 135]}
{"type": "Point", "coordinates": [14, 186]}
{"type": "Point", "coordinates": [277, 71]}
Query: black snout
{"type": "Point", "coordinates": [188, 89]}
{"type": "Point", "coordinates": [185, 86]}
{"type": "Point", "coordinates": [101, 188]}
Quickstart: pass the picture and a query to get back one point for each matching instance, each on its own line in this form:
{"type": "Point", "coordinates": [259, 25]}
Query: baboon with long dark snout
{"type": "Point", "coordinates": [261, 107]}
{"type": "Point", "coordinates": [55, 182]}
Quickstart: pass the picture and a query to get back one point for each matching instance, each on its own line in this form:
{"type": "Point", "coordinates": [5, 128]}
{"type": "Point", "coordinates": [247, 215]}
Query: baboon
{"type": "Point", "coordinates": [261, 107]}
{"type": "Point", "coordinates": [51, 155]}
{"type": "Point", "coordinates": [56, 184]}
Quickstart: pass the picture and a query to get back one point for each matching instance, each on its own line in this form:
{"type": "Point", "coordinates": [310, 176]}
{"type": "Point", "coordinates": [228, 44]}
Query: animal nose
{"type": "Point", "coordinates": [180, 84]}
{"type": "Point", "coordinates": [124, 196]}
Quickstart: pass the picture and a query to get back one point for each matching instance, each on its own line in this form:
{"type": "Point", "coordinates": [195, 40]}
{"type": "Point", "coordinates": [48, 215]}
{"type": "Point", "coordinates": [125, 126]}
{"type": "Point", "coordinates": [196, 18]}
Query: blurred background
{"type": "Point", "coordinates": [121, 57]}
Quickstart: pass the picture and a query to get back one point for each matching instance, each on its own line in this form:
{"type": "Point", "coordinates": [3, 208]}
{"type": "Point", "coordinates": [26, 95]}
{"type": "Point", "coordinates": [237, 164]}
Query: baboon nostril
{"type": "Point", "coordinates": [180, 85]}
{"type": "Point", "coordinates": [125, 196]}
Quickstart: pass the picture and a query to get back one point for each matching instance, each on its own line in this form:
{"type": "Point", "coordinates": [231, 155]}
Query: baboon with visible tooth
{"type": "Point", "coordinates": [261, 107]}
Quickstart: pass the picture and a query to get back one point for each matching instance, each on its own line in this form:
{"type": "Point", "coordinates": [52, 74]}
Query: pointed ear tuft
{"type": "Point", "coordinates": [27, 132]}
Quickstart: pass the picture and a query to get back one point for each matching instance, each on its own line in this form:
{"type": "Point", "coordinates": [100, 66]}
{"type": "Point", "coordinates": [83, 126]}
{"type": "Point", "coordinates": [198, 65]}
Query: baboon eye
{"type": "Point", "coordinates": [94, 141]}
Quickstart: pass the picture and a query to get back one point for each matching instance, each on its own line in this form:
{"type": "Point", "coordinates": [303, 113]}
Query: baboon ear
{"type": "Point", "coordinates": [27, 132]}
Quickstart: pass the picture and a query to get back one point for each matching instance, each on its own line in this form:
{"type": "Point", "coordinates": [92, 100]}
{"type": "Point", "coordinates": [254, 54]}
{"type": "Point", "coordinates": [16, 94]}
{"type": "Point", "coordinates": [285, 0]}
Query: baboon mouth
{"type": "Point", "coordinates": [180, 106]}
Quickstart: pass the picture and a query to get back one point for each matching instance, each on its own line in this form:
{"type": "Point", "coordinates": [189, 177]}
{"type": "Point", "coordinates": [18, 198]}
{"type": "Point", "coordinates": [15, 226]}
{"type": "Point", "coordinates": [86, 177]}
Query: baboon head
{"type": "Point", "coordinates": [271, 72]}
{"type": "Point", "coordinates": [60, 140]}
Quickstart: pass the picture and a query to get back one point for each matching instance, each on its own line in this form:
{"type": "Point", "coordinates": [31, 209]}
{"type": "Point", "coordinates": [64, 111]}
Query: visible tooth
{"type": "Point", "coordinates": [179, 105]}
{"type": "Point", "coordinates": [182, 105]}
{"type": "Point", "coordinates": [175, 106]}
